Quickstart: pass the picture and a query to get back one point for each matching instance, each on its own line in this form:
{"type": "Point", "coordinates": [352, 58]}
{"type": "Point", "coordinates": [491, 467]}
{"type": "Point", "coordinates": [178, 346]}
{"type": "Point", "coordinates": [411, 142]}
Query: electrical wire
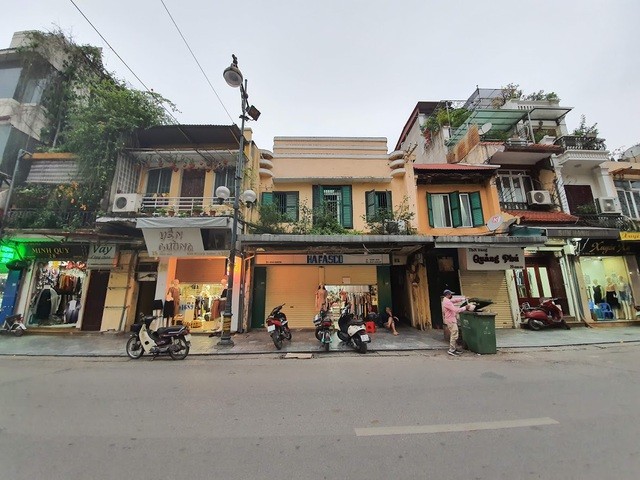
{"type": "Point", "coordinates": [196, 60]}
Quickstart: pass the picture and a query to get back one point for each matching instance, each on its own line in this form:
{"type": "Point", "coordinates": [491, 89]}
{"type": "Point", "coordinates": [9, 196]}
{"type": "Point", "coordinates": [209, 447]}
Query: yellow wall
{"type": "Point", "coordinates": [488, 197]}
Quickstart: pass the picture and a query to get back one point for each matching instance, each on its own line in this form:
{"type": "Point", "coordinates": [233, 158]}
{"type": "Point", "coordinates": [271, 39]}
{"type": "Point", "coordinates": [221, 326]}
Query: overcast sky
{"type": "Point", "coordinates": [356, 67]}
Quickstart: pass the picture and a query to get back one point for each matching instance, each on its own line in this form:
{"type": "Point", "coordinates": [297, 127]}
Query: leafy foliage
{"type": "Point", "coordinates": [584, 130]}
{"type": "Point", "coordinates": [90, 114]}
{"type": "Point", "coordinates": [385, 221]}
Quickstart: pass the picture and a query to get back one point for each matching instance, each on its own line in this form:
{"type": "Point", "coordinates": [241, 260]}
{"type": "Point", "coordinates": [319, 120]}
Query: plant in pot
{"type": "Point", "coordinates": [197, 210]}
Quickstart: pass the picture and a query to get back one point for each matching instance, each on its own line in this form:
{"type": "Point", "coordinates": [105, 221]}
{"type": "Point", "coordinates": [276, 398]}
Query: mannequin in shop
{"type": "Point", "coordinates": [611, 296]}
{"type": "Point", "coordinates": [597, 292]}
{"type": "Point", "coordinates": [217, 315]}
{"type": "Point", "coordinates": [321, 298]}
{"type": "Point", "coordinates": [171, 303]}
{"type": "Point", "coordinates": [624, 297]}
{"type": "Point", "coordinates": [47, 299]}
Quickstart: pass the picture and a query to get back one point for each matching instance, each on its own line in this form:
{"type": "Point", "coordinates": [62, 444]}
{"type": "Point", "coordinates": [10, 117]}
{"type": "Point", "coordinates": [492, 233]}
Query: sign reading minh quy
{"type": "Point", "coordinates": [494, 258]}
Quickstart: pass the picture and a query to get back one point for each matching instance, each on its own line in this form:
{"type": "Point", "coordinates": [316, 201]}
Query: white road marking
{"type": "Point", "coordinates": [454, 427]}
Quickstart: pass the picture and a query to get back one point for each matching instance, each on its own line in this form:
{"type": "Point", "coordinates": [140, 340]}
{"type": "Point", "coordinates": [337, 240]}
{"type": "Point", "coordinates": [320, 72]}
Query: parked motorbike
{"type": "Point", "coordinates": [13, 324]}
{"type": "Point", "coordinates": [278, 326]}
{"type": "Point", "coordinates": [547, 314]}
{"type": "Point", "coordinates": [324, 328]}
{"type": "Point", "coordinates": [175, 340]}
{"type": "Point", "coordinates": [352, 330]}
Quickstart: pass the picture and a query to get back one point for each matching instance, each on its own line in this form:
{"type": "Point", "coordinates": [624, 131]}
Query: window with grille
{"type": "Point", "coordinates": [378, 204]}
{"type": "Point", "coordinates": [336, 200]}
{"type": "Point", "coordinates": [286, 202]}
{"type": "Point", "coordinates": [513, 186]}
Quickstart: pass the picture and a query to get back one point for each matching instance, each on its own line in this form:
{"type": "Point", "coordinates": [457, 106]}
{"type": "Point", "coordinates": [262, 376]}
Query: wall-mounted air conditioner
{"type": "Point", "coordinates": [539, 197]}
{"type": "Point", "coordinates": [608, 205]}
{"type": "Point", "coordinates": [126, 202]}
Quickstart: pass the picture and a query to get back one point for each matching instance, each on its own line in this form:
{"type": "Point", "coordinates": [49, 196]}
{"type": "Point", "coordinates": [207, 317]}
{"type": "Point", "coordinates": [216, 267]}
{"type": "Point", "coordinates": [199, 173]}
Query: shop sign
{"type": "Point", "coordinates": [590, 246]}
{"type": "Point", "coordinates": [630, 236]}
{"type": "Point", "coordinates": [173, 242]}
{"type": "Point", "coordinates": [101, 255]}
{"type": "Point", "coordinates": [494, 258]}
{"type": "Point", "coordinates": [56, 251]}
{"type": "Point", "coordinates": [323, 259]}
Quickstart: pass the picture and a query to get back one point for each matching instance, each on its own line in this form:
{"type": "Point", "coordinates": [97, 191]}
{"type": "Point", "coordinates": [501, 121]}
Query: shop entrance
{"type": "Point", "coordinates": [363, 299]}
{"type": "Point", "coordinates": [540, 278]}
{"type": "Point", "coordinates": [97, 292]}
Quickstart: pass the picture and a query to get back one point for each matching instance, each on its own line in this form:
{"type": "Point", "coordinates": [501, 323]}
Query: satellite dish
{"type": "Point", "coordinates": [494, 222]}
{"type": "Point", "coordinates": [631, 154]}
{"type": "Point", "coordinates": [485, 128]}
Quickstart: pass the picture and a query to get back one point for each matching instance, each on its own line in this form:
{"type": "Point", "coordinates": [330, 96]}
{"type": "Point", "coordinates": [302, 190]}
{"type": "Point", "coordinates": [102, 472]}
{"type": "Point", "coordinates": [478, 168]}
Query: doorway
{"type": "Point", "coordinates": [94, 305]}
{"type": "Point", "coordinates": [540, 278]}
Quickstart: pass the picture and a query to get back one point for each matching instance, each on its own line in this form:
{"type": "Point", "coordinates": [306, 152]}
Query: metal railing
{"type": "Point", "coordinates": [620, 222]}
{"type": "Point", "coordinates": [190, 206]}
{"type": "Point", "coordinates": [574, 142]}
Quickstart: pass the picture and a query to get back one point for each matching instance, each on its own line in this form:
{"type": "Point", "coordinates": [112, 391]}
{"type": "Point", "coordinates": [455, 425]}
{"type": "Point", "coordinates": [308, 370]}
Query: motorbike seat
{"type": "Point", "coordinates": [168, 330]}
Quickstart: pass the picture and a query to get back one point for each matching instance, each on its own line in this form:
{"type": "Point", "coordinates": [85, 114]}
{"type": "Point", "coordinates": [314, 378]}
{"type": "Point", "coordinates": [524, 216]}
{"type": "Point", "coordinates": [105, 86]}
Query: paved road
{"type": "Point", "coordinates": [566, 413]}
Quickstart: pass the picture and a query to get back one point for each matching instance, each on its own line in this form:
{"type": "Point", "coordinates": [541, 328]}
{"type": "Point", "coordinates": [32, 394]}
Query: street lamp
{"type": "Point", "coordinates": [233, 77]}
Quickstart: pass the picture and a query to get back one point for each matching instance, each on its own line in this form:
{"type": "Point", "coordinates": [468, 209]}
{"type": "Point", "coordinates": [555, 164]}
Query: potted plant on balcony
{"type": "Point", "coordinates": [197, 210]}
{"type": "Point", "coordinates": [171, 210]}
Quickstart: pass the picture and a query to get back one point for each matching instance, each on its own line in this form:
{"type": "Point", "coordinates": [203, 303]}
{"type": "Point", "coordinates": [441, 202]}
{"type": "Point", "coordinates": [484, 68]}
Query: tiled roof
{"type": "Point", "coordinates": [453, 167]}
{"type": "Point", "coordinates": [535, 216]}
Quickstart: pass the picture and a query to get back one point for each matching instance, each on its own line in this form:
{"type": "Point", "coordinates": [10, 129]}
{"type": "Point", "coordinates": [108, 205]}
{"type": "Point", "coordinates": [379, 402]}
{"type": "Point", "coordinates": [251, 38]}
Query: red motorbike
{"type": "Point", "coordinates": [547, 314]}
{"type": "Point", "coordinates": [278, 326]}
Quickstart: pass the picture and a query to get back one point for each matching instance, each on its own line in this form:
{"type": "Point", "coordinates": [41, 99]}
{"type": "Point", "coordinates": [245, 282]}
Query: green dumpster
{"type": "Point", "coordinates": [479, 328]}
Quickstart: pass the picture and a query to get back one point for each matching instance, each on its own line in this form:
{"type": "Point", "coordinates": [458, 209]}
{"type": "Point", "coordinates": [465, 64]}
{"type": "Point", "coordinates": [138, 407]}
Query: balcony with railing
{"type": "Point", "coordinates": [184, 206]}
{"type": "Point", "coordinates": [575, 142]}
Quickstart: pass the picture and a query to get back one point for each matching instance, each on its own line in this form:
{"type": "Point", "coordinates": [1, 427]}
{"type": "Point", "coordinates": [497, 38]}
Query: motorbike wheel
{"type": "Point", "coordinates": [18, 332]}
{"type": "Point", "coordinates": [134, 348]}
{"type": "Point", "coordinates": [327, 340]}
{"type": "Point", "coordinates": [360, 345]}
{"type": "Point", "coordinates": [533, 325]}
{"type": "Point", "coordinates": [319, 334]}
{"type": "Point", "coordinates": [277, 339]}
{"type": "Point", "coordinates": [287, 334]}
{"type": "Point", "coordinates": [343, 336]}
{"type": "Point", "coordinates": [182, 353]}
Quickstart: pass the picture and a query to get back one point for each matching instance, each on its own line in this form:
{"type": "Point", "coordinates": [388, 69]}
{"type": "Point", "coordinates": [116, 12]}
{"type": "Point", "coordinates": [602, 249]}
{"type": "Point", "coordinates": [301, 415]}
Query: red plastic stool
{"type": "Point", "coordinates": [370, 327]}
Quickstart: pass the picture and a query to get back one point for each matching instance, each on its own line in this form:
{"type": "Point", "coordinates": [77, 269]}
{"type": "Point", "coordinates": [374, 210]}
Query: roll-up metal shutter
{"type": "Point", "coordinates": [296, 287]}
{"type": "Point", "coordinates": [493, 286]}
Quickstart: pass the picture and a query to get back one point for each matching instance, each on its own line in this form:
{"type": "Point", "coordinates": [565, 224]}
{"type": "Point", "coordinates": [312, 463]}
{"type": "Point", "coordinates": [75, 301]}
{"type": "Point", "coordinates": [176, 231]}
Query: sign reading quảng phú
{"type": "Point", "coordinates": [173, 242]}
{"type": "Point", "coordinates": [494, 258]}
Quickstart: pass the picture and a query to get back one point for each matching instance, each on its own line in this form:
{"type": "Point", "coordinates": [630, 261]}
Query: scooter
{"type": "Point", "coordinates": [547, 314]}
{"type": "Point", "coordinates": [175, 340]}
{"type": "Point", "coordinates": [278, 326]}
{"type": "Point", "coordinates": [324, 328]}
{"type": "Point", "coordinates": [13, 324]}
{"type": "Point", "coordinates": [352, 330]}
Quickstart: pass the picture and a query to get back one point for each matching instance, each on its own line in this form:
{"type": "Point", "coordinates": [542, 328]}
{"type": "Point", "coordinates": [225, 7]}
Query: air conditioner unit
{"type": "Point", "coordinates": [539, 197]}
{"type": "Point", "coordinates": [126, 202]}
{"type": "Point", "coordinates": [608, 205]}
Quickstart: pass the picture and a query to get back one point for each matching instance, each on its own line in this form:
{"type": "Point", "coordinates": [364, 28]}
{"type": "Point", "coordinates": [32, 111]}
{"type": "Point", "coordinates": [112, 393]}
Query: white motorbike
{"type": "Point", "coordinates": [352, 331]}
{"type": "Point", "coordinates": [176, 340]}
{"type": "Point", "coordinates": [13, 324]}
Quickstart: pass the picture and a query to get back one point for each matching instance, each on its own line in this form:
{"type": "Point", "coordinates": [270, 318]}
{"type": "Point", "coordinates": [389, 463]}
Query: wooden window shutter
{"type": "Point", "coordinates": [476, 209]}
{"type": "Point", "coordinates": [267, 198]}
{"type": "Point", "coordinates": [370, 200]}
{"type": "Point", "coordinates": [347, 211]}
{"type": "Point", "coordinates": [291, 206]}
{"type": "Point", "coordinates": [430, 209]}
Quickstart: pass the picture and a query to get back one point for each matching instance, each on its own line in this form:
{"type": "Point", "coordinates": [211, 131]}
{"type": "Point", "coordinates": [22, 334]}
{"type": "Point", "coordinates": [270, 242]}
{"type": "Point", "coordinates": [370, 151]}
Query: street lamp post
{"type": "Point", "coordinates": [234, 78]}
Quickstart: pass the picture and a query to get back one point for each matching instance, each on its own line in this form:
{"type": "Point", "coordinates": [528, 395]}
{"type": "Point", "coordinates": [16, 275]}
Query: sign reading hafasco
{"type": "Point", "coordinates": [56, 251]}
{"type": "Point", "coordinates": [491, 258]}
{"type": "Point", "coordinates": [591, 246]}
{"type": "Point", "coordinates": [323, 259]}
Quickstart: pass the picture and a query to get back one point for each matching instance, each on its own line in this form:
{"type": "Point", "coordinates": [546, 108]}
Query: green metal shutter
{"type": "Point", "coordinates": [317, 202]}
{"type": "Point", "coordinates": [476, 209]}
{"type": "Point", "coordinates": [347, 211]}
{"type": "Point", "coordinates": [389, 204]}
{"type": "Point", "coordinates": [291, 206]}
{"type": "Point", "coordinates": [456, 214]}
{"type": "Point", "coordinates": [430, 209]}
{"type": "Point", "coordinates": [370, 200]}
{"type": "Point", "coordinates": [267, 198]}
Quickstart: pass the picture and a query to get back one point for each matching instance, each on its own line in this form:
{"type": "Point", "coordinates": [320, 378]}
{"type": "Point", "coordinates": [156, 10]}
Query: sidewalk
{"type": "Point", "coordinates": [258, 342]}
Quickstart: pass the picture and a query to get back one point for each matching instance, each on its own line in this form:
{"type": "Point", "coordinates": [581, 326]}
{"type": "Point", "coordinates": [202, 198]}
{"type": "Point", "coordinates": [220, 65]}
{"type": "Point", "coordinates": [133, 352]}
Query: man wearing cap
{"type": "Point", "coordinates": [449, 312]}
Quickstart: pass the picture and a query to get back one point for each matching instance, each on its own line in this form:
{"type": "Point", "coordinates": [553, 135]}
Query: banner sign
{"type": "Point", "coordinates": [591, 246]}
{"type": "Point", "coordinates": [323, 259]}
{"type": "Point", "coordinates": [56, 251]}
{"type": "Point", "coordinates": [102, 255]}
{"type": "Point", "coordinates": [174, 242]}
{"type": "Point", "coordinates": [630, 236]}
{"type": "Point", "coordinates": [494, 258]}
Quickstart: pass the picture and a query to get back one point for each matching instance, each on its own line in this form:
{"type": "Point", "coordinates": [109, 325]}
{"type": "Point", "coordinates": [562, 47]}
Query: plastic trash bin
{"type": "Point", "coordinates": [479, 328]}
